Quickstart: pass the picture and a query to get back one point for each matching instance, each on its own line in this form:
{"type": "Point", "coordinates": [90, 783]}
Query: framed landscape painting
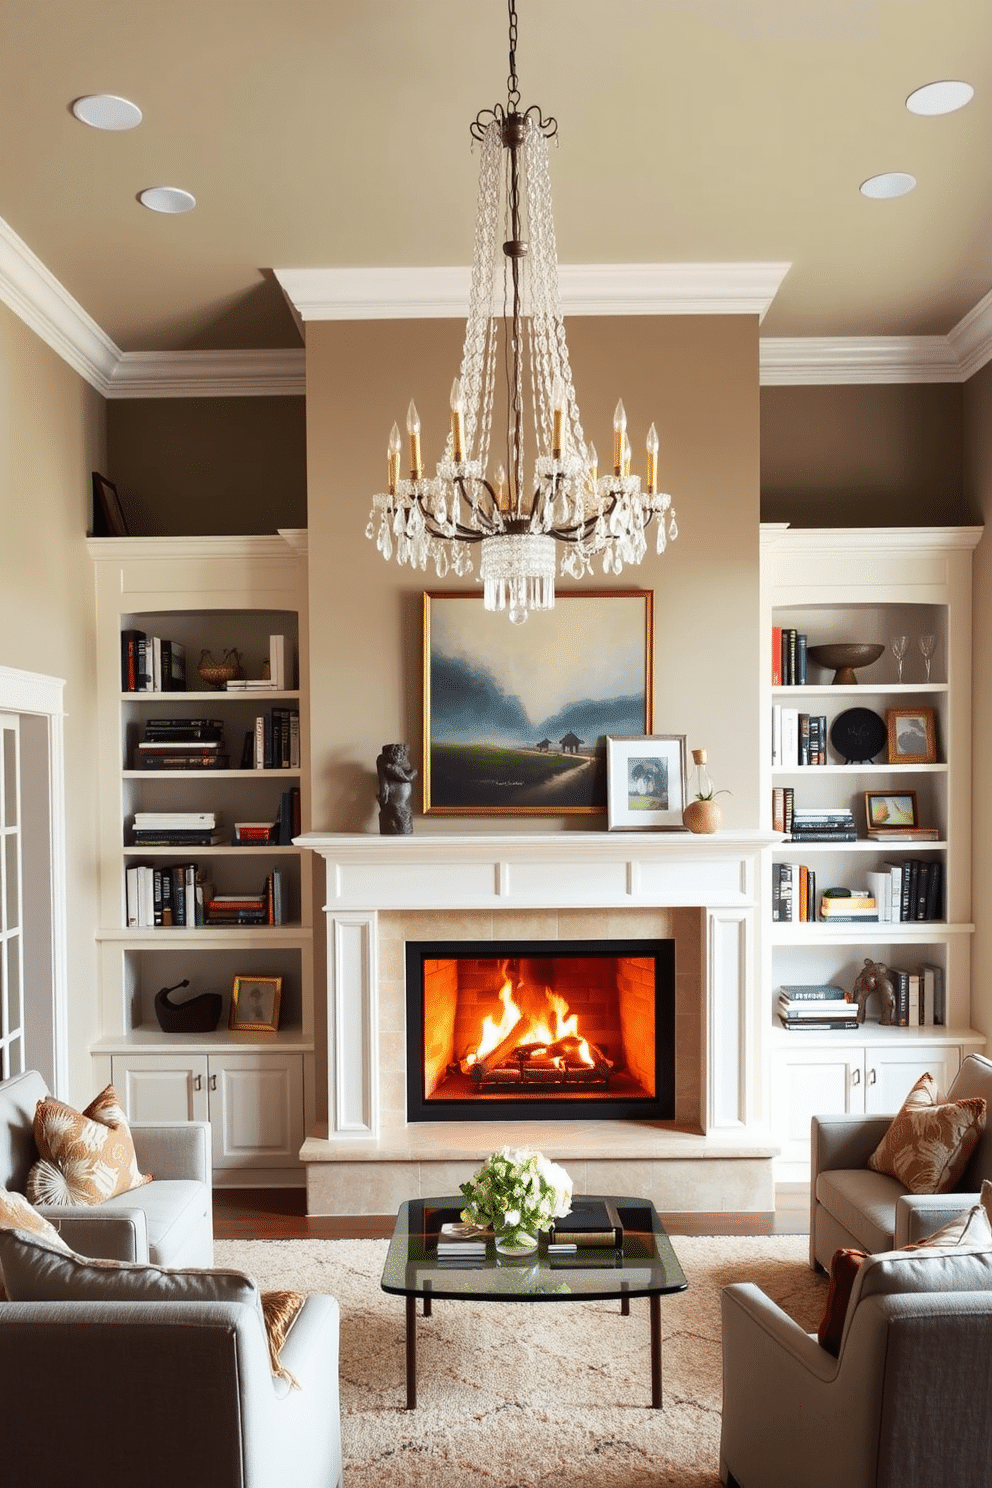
{"type": "Point", "coordinates": [516, 716]}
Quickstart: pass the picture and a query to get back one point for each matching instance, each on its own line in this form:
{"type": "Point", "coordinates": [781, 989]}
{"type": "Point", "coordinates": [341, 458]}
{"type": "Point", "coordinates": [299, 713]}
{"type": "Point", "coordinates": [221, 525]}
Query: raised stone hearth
{"type": "Point", "coordinates": [383, 891]}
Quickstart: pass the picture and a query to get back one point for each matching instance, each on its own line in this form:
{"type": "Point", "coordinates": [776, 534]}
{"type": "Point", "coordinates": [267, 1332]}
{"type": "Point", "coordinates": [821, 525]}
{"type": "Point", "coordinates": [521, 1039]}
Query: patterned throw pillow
{"type": "Point", "coordinates": [17, 1214]}
{"type": "Point", "coordinates": [85, 1157]}
{"type": "Point", "coordinates": [38, 1271]}
{"type": "Point", "coordinates": [930, 1140]}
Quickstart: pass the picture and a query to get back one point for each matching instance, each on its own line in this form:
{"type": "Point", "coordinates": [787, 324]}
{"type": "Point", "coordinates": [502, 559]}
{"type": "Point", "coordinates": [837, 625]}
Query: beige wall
{"type": "Point", "coordinates": [978, 477]}
{"type": "Point", "coordinates": [192, 466]}
{"type": "Point", "coordinates": [51, 438]}
{"type": "Point", "coordinates": [696, 378]}
{"type": "Point", "coordinates": [864, 456]}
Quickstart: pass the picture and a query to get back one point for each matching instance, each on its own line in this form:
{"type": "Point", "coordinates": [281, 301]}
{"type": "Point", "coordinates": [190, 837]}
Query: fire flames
{"type": "Point", "coordinates": [534, 1019]}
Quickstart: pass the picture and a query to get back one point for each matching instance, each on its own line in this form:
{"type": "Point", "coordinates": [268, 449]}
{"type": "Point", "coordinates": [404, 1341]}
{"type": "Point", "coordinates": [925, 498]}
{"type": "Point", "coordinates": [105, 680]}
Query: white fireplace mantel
{"type": "Point", "coordinates": [563, 870]}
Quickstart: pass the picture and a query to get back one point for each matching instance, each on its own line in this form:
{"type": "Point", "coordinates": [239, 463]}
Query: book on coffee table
{"type": "Point", "coordinates": [589, 1222]}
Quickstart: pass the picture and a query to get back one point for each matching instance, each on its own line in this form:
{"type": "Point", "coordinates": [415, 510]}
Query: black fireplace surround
{"type": "Point", "coordinates": [622, 991]}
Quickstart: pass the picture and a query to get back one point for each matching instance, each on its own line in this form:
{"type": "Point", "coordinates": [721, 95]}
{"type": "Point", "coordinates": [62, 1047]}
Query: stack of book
{"type": "Point", "coordinates": [848, 907]}
{"type": "Point", "coordinates": [165, 896]}
{"type": "Point", "coordinates": [181, 744]}
{"type": "Point", "coordinates": [798, 738]}
{"type": "Point", "coordinates": [823, 824]}
{"type": "Point", "coordinates": [254, 833]}
{"type": "Point", "coordinates": [264, 908]}
{"type": "Point", "coordinates": [461, 1245]}
{"type": "Point", "coordinates": [815, 1006]}
{"type": "Point", "coordinates": [176, 828]}
{"type": "Point", "coordinates": [789, 647]}
{"type": "Point", "coordinates": [589, 1222]}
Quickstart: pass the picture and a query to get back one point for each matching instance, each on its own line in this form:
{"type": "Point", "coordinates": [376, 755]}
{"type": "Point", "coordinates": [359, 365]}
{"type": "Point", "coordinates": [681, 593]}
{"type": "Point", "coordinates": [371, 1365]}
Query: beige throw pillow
{"type": "Point", "coordinates": [929, 1141]}
{"type": "Point", "coordinates": [84, 1157]}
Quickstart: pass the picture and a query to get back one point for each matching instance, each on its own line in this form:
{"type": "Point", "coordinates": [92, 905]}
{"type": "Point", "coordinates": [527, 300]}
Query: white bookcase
{"type": "Point", "coordinates": [869, 585]}
{"type": "Point", "coordinates": [257, 1089]}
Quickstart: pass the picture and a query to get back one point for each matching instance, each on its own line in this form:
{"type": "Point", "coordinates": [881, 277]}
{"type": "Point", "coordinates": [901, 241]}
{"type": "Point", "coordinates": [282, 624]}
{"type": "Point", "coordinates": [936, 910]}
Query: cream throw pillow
{"type": "Point", "coordinates": [930, 1140]}
{"type": "Point", "coordinates": [84, 1157]}
{"type": "Point", "coordinates": [17, 1214]}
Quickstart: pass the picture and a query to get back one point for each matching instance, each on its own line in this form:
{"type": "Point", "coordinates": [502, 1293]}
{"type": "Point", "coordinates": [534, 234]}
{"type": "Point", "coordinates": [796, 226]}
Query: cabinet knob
{"type": "Point", "coordinates": [197, 1082]}
{"type": "Point", "coordinates": [213, 1082]}
{"type": "Point", "coordinates": [855, 1077]}
{"type": "Point", "coordinates": [872, 1076]}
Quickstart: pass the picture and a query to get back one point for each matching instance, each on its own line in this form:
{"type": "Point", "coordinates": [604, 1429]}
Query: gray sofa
{"type": "Point", "coordinates": [853, 1206]}
{"type": "Point", "coordinates": [168, 1221]}
{"type": "Point", "coordinates": [160, 1394]}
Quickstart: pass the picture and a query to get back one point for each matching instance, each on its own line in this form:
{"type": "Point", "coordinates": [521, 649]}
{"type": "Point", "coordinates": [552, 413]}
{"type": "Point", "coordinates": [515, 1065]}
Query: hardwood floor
{"type": "Point", "coordinates": [280, 1214]}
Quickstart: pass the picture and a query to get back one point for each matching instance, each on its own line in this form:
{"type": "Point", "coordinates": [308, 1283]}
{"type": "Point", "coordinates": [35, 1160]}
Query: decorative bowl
{"type": "Point", "coordinates": [844, 656]}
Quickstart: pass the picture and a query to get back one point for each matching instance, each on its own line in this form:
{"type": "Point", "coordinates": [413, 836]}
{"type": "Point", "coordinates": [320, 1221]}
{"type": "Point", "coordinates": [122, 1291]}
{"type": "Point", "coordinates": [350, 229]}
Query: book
{"type": "Point", "coordinates": [164, 837]}
{"type": "Point", "coordinates": [802, 642]}
{"type": "Point", "coordinates": [803, 1012]}
{"type": "Point", "coordinates": [280, 671]}
{"type": "Point", "coordinates": [776, 655]}
{"type": "Point", "coordinates": [820, 1024]}
{"type": "Point", "coordinates": [932, 980]}
{"type": "Point", "coordinates": [812, 992]}
{"type": "Point", "coordinates": [903, 834]}
{"type": "Point", "coordinates": [589, 1222]}
{"type": "Point", "coordinates": [129, 659]}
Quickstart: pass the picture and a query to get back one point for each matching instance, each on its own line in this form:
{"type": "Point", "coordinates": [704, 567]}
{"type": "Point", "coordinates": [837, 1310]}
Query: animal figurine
{"type": "Point", "coordinates": [396, 776]}
{"type": "Point", "coordinates": [874, 977]}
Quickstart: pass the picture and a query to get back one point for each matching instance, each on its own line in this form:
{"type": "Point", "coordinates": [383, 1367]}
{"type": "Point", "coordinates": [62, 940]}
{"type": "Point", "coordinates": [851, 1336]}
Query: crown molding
{"type": "Point", "coordinates": [273, 373]}
{"type": "Point", "coordinates": [584, 289]}
{"type": "Point", "coordinates": [37, 297]}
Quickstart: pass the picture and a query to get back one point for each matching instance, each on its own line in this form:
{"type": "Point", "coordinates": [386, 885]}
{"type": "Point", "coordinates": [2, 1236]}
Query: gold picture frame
{"type": "Point", "coordinates": [516, 717]}
{"type": "Point", "coordinates": [912, 736]}
{"type": "Point", "coordinates": [255, 1003]}
{"type": "Point", "coordinates": [891, 810]}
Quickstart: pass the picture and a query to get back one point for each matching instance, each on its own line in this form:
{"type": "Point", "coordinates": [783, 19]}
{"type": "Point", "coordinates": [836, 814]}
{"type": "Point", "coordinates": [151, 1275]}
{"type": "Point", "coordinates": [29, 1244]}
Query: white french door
{"type": "Point", "coordinates": [12, 1055]}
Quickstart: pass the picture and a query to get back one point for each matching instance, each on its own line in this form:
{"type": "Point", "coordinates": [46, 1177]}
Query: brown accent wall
{"type": "Point", "coordinates": [192, 466]}
{"type": "Point", "coordinates": [978, 481]}
{"type": "Point", "coordinates": [52, 435]}
{"type": "Point", "coordinates": [696, 378]}
{"type": "Point", "coordinates": [864, 456]}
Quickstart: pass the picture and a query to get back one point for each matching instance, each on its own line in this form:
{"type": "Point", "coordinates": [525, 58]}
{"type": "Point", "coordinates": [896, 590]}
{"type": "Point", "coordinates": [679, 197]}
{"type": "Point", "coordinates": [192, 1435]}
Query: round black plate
{"type": "Point", "coordinates": [858, 734]}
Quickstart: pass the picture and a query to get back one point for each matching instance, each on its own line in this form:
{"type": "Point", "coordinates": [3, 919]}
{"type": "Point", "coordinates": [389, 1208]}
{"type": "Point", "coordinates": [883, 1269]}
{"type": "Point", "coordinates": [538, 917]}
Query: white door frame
{"type": "Point", "coordinates": [38, 700]}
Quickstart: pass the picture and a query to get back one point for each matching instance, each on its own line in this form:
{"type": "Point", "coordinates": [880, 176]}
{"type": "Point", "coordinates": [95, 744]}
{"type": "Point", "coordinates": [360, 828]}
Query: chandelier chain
{"type": "Point", "coordinates": [512, 87]}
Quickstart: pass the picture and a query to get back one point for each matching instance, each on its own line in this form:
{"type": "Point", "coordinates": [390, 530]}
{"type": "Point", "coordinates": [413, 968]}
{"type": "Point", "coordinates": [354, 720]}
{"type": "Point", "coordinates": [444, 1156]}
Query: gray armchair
{"type": "Point", "coordinates": [168, 1221]}
{"type": "Point", "coordinates": [853, 1206]}
{"type": "Point", "coordinates": [162, 1393]}
{"type": "Point", "coordinates": [904, 1405]}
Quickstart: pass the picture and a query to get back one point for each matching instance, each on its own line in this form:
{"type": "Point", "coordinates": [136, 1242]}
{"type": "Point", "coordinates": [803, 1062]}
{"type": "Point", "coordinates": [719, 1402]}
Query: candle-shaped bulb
{"type": "Point", "coordinates": [413, 430]}
{"type": "Point", "coordinates": [593, 465]}
{"type": "Point", "coordinates": [394, 450]}
{"type": "Point", "coordinates": [558, 411]}
{"type": "Point", "coordinates": [500, 488]}
{"type": "Point", "coordinates": [619, 429]}
{"type": "Point", "coordinates": [457, 421]}
{"type": "Point", "coordinates": [624, 454]}
{"type": "Point", "coordinates": [652, 470]}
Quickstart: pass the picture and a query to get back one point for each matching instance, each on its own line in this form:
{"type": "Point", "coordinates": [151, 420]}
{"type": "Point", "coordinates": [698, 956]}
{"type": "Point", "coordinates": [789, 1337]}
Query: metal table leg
{"type": "Point", "coordinates": [411, 1353]}
{"type": "Point", "coordinates": [654, 1303]}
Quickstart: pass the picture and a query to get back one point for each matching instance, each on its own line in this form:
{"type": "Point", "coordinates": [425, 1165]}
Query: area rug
{"type": "Point", "coordinates": [533, 1395]}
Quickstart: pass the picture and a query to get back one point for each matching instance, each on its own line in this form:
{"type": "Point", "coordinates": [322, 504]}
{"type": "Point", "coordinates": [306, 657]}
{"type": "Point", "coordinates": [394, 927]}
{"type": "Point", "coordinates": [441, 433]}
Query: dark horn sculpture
{"type": "Point", "coordinates": [197, 1015]}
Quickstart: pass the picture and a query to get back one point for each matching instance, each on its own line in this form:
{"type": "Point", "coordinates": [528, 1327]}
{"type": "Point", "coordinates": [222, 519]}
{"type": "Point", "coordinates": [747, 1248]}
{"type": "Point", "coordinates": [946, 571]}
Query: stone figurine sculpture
{"type": "Point", "coordinates": [874, 977]}
{"type": "Point", "coordinates": [396, 777]}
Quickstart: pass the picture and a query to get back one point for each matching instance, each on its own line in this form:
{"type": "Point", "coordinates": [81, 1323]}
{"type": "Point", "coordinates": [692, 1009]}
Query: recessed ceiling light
{"type": "Point", "coordinates": [940, 98]}
{"type": "Point", "coordinates": [892, 183]}
{"type": "Point", "coordinates": [105, 111]}
{"type": "Point", "coordinates": [167, 199]}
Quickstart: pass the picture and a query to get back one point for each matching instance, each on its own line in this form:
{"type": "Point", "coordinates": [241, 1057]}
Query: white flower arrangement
{"type": "Point", "coordinates": [516, 1192]}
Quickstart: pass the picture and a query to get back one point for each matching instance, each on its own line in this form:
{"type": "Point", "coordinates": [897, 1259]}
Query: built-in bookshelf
{"type": "Point", "coordinates": [202, 788]}
{"type": "Point", "coordinates": [866, 585]}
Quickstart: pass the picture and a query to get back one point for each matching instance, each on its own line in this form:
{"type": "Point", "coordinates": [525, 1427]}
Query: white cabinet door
{"type": "Point", "coordinates": [162, 1087]}
{"type": "Point", "coordinates": [891, 1072]}
{"type": "Point", "coordinates": [256, 1109]}
{"type": "Point", "coordinates": [807, 1083]}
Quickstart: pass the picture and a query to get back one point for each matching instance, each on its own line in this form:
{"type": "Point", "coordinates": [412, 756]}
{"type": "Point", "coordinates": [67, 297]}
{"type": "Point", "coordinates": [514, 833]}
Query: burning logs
{"type": "Point", "coordinates": [557, 1063]}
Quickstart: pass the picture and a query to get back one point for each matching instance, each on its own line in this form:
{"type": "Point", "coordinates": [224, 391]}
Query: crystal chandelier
{"type": "Point", "coordinates": [515, 326]}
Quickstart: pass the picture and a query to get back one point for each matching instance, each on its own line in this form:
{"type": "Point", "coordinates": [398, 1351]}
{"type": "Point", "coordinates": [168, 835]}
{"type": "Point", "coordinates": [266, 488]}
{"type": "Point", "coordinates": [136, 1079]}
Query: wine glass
{"type": "Point", "coordinates": [898, 646]}
{"type": "Point", "coordinates": [928, 645]}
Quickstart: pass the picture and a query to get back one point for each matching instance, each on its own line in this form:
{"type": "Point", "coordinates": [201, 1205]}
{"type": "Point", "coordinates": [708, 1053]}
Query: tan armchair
{"type": "Point", "coordinates": [904, 1405]}
{"type": "Point", "coordinates": [853, 1206]}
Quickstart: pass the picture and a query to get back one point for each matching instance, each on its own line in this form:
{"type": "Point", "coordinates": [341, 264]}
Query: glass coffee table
{"type": "Point", "coordinates": [645, 1266]}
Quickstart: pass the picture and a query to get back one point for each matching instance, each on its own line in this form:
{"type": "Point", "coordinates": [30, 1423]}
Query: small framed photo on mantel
{"type": "Point", "coordinates": [645, 782]}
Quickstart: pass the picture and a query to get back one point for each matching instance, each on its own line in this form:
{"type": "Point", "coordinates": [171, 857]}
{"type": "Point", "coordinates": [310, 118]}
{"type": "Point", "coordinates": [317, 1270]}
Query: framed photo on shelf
{"type": "Point", "coordinates": [516, 717]}
{"type": "Point", "coordinates": [912, 736]}
{"type": "Point", "coordinates": [645, 782]}
{"type": "Point", "coordinates": [108, 514]}
{"type": "Point", "coordinates": [890, 810]}
{"type": "Point", "coordinates": [255, 1004]}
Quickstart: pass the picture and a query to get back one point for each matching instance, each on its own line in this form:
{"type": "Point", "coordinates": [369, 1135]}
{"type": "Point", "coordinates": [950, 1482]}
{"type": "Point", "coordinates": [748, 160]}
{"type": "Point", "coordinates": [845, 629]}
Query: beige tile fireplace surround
{"type": "Point", "coordinates": [701, 891]}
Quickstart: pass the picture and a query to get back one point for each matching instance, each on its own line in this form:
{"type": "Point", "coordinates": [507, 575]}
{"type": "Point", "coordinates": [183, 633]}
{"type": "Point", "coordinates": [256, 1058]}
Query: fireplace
{"type": "Point", "coordinates": [554, 1030]}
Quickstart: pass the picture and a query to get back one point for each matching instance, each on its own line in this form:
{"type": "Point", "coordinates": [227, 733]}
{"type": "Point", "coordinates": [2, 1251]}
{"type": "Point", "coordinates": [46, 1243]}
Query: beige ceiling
{"type": "Point", "coordinates": [334, 133]}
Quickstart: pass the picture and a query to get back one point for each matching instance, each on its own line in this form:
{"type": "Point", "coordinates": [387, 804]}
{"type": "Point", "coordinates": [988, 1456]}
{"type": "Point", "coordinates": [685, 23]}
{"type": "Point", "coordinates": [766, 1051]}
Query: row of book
{"type": "Point", "coordinates": [789, 648]}
{"type": "Point", "coordinates": [920, 1001]}
{"type": "Point", "coordinates": [182, 895]}
{"type": "Point", "coordinates": [907, 891]}
{"type": "Point", "coordinates": [798, 738]}
{"type": "Point", "coordinates": [151, 664]}
{"type": "Point", "coordinates": [273, 741]}
{"type": "Point", "coordinates": [206, 828]}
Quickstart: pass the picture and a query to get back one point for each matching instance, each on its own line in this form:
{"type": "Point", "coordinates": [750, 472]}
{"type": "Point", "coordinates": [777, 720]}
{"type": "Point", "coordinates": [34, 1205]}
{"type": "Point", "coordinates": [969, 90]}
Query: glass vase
{"type": "Point", "coordinates": [516, 1242]}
